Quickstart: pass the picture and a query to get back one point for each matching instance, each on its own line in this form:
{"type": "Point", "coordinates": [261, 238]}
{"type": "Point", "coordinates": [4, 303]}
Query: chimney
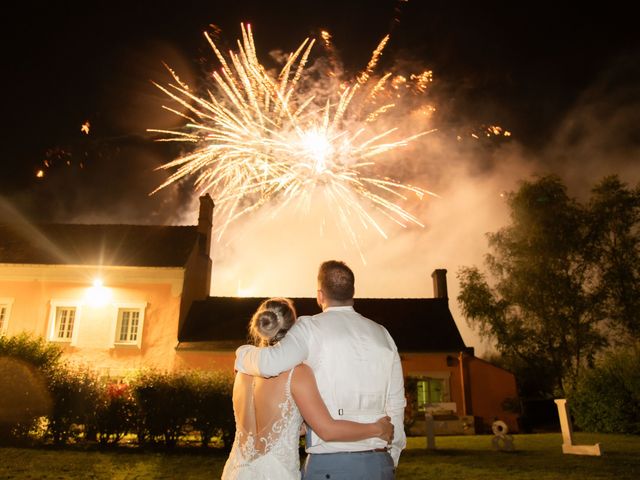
{"type": "Point", "coordinates": [440, 283]}
{"type": "Point", "coordinates": [205, 223]}
{"type": "Point", "coordinates": [197, 276]}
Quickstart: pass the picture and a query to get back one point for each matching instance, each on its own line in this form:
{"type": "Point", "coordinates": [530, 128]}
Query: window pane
{"type": "Point", "coordinates": [71, 317]}
{"type": "Point", "coordinates": [128, 325]}
{"type": "Point", "coordinates": [61, 320]}
{"type": "Point", "coordinates": [135, 318]}
{"type": "Point", "coordinates": [436, 390]}
{"type": "Point", "coordinates": [124, 325]}
{"type": "Point", "coordinates": [64, 322]}
{"type": "Point", "coordinates": [421, 394]}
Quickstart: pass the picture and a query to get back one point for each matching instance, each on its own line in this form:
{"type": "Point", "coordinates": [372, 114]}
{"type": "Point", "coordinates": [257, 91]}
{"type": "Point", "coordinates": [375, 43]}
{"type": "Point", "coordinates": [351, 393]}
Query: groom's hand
{"type": "Point", "coordinates": [386, 429]}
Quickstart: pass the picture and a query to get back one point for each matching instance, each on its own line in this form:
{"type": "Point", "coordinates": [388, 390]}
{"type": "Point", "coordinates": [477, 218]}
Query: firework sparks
{"type": "Point", "coordinates": [258, 138]}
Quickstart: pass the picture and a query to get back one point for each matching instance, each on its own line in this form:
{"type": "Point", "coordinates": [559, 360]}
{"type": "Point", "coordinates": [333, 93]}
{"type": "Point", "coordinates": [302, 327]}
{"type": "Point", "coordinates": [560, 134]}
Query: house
{"type": "Point", "coordinates": [465, 394]}
{"type": "Point", "coordinates": [122, 297]}
{"type": "Point", "coordinates": [112, 296]}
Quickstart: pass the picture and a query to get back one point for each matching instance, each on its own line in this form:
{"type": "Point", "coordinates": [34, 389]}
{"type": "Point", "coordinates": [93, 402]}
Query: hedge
{"type": "Point", "coordinates": [45, 399]}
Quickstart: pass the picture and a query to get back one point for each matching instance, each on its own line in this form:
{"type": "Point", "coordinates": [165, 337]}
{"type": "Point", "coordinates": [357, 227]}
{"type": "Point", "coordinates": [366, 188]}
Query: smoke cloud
{"type": "Point", "coordinates": [268, 255]}
{"type": "Point", "coordinates": [600, 134]}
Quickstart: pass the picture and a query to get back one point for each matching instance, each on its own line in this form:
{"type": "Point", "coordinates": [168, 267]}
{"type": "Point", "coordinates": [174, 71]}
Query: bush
{"type": "Point", "coordinates": [74, 394]}
{"type": "Point", "coordinates": [213, 408]}
{"type": "Point", "coordinates": [170, 404]}
{"type": "Point", "coordinates": [24, 399]}
{"type": "Point", "coordinates": [42, 395]}
{"type": "Point", "coordinates": [607, 398]}
{"type": "Point", "coordinates": [115, 413]}
{"type": "Point", "coordinates": [164, 403]}
{"type": "Point", "coordinates": [26, 365]}
{"type": "Point", "coordinates": [411, 413]}
{"type": "Point", "coordinates": [32, 350]}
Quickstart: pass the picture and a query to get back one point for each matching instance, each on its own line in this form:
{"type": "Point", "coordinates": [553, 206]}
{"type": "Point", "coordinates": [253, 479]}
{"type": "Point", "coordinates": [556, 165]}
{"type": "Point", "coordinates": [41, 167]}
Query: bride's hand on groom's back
{"type": "Point", "coordinates": [386, 429]}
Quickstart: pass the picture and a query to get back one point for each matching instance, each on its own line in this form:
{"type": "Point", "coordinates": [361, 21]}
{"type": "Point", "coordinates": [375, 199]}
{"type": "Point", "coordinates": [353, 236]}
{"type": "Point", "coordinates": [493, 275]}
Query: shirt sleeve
{"type": "Point", "coordinates": [271, 361]}
{"type": "Point", "coordinates": [396, 403]}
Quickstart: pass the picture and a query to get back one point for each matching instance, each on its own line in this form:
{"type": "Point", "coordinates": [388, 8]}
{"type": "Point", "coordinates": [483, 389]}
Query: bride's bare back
{"type": "Point", "coordinates": [260, 404]}
{"type": "Point", "coordinates": [267, 429]}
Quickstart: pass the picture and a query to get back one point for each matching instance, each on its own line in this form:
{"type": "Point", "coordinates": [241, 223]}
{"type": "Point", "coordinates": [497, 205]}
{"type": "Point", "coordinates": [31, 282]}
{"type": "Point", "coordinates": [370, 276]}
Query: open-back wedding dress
{"type": "Point", "coordinates": [267, 430]}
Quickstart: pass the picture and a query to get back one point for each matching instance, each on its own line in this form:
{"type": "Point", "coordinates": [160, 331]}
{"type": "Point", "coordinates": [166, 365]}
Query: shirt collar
{"type": "Point", "coordinates": [339, 308]}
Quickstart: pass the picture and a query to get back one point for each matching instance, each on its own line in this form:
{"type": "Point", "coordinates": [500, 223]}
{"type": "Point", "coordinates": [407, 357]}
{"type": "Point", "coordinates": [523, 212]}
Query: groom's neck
{"type": "Point", "coordinates": [337, 303]}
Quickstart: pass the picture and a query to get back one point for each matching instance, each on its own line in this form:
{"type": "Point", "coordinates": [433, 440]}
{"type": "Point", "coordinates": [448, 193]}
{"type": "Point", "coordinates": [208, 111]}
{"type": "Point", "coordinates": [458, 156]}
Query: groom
{"type": "Point", "coordinates": [359, 375]}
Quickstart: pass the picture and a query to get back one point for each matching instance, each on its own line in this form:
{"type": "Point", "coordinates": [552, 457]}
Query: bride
{"type": "Point", "coordinates": [269, 411]}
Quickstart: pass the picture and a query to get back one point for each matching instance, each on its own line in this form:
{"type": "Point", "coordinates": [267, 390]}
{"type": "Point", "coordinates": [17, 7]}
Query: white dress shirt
{"type": "Point", "coordinates": [357, 368]}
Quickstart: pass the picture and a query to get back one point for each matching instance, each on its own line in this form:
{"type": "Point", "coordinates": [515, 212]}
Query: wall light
{"type": "Point", "coordinates": [98, 295]}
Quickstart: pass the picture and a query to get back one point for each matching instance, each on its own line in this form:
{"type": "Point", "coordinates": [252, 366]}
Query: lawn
{"type": "Point", "coordinates": [537, 457]}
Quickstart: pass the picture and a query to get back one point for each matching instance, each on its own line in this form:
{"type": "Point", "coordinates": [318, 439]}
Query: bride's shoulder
{"type": "Point", "coordinates": [303, 381]}
{"type": "Point", "coordinates": [243, 378]}
{"type": "Point", "coordinates": [302, 371]}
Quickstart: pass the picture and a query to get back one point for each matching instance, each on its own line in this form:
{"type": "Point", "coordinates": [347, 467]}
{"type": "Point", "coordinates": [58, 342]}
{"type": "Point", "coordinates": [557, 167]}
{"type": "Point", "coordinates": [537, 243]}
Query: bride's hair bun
{"type": "Point", "coordinates": [271, 321]}
{"type": "Point", "coordinates": [267, 323]}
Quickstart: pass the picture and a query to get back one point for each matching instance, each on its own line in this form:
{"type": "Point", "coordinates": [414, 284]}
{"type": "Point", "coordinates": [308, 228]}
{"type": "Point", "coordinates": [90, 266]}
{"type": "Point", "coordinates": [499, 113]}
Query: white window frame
{"type": "Point", "coordinates": [5, 304]}
{"type": "Point", "coordinates": [53, 310]}
{"type": "Point", "coordinates": [115, 333]}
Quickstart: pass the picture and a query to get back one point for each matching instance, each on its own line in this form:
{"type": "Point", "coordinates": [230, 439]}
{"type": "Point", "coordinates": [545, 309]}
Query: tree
{"type": "Point", "coordinates": [543, 308]}
{"type": "Point", "coordinates": [614, 220]}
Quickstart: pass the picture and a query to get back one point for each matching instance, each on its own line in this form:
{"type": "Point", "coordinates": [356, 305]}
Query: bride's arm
{"type": "Point", "coordinates": [305, 392]}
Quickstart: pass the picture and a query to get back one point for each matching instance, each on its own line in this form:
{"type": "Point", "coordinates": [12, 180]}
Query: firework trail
{"type": "Point", "coordinates": [260, 136]}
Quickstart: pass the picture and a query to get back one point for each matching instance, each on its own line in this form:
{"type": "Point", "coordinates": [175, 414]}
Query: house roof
{"type": "Point", "coordinates": [416, 324]}
{"type": "Point", "coordinates": [112, 245]}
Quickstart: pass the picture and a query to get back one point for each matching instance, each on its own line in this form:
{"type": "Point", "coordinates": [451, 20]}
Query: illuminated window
{"type": "Point", "coordinates": [4, 318]}
{"type": "Point", "coordinates": [129, 324]}
{"type": "Point", "coordinates": [430, 391]}
{"type": "Point", "coordinates": [5, 312]}
{"type": "Point", "coordinates": [63, 321]}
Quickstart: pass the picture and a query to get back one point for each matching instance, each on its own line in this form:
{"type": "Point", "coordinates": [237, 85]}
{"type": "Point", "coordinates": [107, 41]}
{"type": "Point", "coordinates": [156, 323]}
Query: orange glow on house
{"type": "Point", "coordinates": [112, 296]}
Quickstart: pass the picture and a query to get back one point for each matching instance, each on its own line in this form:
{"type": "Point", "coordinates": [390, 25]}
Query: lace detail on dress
{"type": "Point", "coordinates": [272, 451]}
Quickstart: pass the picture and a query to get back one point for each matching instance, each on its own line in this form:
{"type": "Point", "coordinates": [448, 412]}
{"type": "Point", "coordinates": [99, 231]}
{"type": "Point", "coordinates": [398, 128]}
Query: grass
{"type": "Point", "coordinates": [537, 457]}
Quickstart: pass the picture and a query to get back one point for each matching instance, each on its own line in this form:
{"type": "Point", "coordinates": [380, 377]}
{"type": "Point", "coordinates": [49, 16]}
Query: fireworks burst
{"type": "Point", "coordinates": [261, 136]}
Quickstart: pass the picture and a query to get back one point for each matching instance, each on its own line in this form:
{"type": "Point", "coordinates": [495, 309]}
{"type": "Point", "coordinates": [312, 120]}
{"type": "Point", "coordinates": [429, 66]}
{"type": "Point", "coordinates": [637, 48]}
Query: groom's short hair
{"type": "Point", "coordinates": [336, 280]}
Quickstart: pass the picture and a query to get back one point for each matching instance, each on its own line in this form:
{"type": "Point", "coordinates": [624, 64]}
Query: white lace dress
{"type": "Point", "coordinates": [267, 430]}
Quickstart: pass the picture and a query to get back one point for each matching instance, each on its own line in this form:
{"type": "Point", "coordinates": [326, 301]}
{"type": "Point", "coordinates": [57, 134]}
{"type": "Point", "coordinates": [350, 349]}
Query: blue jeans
{"type": "Point", "coordinates": [349, 466]}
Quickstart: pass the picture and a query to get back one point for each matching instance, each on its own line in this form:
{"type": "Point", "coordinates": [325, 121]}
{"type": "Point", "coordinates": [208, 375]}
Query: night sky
{"type": "Point", "coordinates": [519, 66]}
